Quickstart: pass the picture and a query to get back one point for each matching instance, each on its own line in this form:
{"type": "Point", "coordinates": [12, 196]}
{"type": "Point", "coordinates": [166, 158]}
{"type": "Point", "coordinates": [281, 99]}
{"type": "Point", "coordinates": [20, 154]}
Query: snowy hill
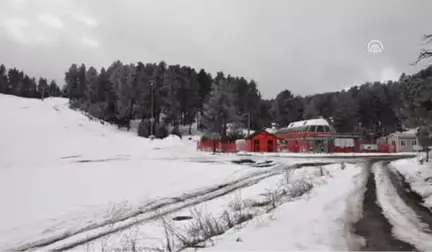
{"type": "Point", "coordinates": [59, 168]}
{"type": "Point", "coordinates": [71, 183]}
{"type": "Point", "coordinates": [29, 124]}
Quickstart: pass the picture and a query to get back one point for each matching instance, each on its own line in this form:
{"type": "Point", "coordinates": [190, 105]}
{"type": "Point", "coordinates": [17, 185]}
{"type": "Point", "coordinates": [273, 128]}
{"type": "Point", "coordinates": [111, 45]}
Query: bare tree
{"type": "Point", "coordinates": [425, 53]}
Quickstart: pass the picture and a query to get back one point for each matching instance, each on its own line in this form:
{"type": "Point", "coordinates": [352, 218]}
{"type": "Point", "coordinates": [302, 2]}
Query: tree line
{"type": "Point", "coordinates": [175, 95]}
{"type": "Point", "coordinates": [179, 95]}
{"type": "Point", "coordinates": [172, 95]}
{"type": "Point", "coordinates": [16, 82]}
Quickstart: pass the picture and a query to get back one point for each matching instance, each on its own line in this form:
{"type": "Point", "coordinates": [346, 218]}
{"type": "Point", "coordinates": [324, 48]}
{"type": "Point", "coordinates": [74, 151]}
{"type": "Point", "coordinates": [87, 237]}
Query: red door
{"type": "Point", "coordinates": [256, 145]}
{"type": "Point", "coordinates": [270, 145]}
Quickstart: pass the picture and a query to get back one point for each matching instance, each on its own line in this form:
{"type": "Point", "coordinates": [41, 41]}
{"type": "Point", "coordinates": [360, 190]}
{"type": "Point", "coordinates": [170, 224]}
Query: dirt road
{"type": "Point", "coordinates": [374, 226]}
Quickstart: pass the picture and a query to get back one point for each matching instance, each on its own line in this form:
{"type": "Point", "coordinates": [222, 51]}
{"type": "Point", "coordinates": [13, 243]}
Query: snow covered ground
{"type": "Point", "coordinates": [315, 220]}
{"type": "Point", "coordinates": [66, 180]}
{"type": "Point", "coordinates": [60, 170]}
{"type": "Point", "coordinates": [419, 176]}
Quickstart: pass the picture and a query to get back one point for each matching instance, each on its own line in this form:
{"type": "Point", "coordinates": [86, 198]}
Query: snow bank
{"type": "Point", "coordinates": [406, 224]}
{"type": "Point", "coordinates": [315, 222]}
{"type": "Point", "coordinates": [419, 176]}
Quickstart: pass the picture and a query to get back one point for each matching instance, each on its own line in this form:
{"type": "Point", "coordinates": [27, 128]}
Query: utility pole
{"type": "Point", "coordinates": [198, 119]}
{"type": "Point", "coordinates": [249, 124]}
{"type": "Point", "coordinates": [152, 119]}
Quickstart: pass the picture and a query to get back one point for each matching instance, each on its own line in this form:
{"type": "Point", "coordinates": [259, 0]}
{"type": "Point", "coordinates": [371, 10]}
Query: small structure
{"type": "Point", "coordinates": [316, 135]}
{"type": "Point", "coordinates": [262, 141]}
{"type": "Point", "coordinates": [308, 135]}
{"type": "Point", "coordinates": [403, 141]}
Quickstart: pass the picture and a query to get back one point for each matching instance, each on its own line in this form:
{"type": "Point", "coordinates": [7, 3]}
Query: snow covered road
{"type": "Point", "coordinates": [392, 219]}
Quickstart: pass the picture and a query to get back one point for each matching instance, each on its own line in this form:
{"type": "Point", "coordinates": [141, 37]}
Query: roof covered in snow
{"type": "Point", "coordinates": [408, 133]}
{"type": "Point", "coordinates": [311, 122]}
{"type": "Point", "coordinates": [270, 130]}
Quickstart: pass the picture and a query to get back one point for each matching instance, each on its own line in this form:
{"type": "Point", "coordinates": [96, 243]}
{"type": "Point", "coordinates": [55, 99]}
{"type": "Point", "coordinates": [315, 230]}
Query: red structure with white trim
{"type": "Point", "coordinates": [315, 135]}
{"type": "Point", "coordinates": [262, 141]}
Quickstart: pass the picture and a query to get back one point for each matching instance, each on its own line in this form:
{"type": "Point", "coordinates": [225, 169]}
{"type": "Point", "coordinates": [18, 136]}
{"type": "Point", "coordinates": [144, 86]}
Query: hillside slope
{"type": "Point", "coordinates": [58, 168]}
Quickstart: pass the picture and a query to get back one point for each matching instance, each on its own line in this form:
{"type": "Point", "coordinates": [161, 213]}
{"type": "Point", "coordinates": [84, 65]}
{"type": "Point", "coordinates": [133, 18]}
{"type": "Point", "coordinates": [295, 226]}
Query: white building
{"type": "Point", "coordinates": [404, 141]}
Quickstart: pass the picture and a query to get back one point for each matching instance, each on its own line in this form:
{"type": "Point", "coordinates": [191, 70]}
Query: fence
{"type": "Point", "coordinates": [216, 146]}
{"type": "Point", "coordinates": [296, 146]}
{"type": "Point", "coordinates": [338, 149]}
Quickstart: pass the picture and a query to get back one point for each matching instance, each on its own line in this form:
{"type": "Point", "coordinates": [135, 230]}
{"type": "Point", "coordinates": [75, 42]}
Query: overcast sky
{"type": "Point", "coordinates": [306, 46]}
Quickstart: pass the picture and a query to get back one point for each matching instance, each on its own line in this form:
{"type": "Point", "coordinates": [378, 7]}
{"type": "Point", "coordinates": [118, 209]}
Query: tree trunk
{"type": "Point", "coordinates": [224, 127]}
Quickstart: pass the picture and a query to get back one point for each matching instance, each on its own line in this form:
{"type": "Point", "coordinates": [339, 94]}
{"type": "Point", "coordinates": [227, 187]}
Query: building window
{"type": "Point", "coordinates": [402, 143]}
{"type": "Point", "coordinates": [394, 142]}
{"type": "Point", "coordinates": [320, 129]}
{"type": "Point", "coordinates": [414, 142]}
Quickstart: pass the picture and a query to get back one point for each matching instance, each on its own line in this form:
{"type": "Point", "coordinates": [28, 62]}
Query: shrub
{"type": "Point", "coordinates": [144, 128]}
{"type": "Point", "coordinates": [176, 132]}
{"type": "Point", "coordinates": [298, 188]}
{"type": "Point", "coordinates": [161, 131]}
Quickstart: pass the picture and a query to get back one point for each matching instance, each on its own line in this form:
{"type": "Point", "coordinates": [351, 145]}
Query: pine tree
{"type": "Point", "coordinates": [311, 111]}
{"type": "Point", "coordinates": [42, 88]}
{"type": "Point", "coordinates": [144, 84]}
{"type": "Point", "coordinates": [33, 88]}
{"type": "Point", "coordinates": [205, 84]}
{"type": "Point", "coordinates": [27, 87]}
{"type": "Point", "coordinates": [220, 109]}
{"type": "Point", "coordinates": [287, 108]}
{"type": "Point", "coordinates": [82, 83]}
{"type": "Point", "coordinates": [103, 86]}
{"type": "Point", "coordinates": [173, 81]}
{"type": "Point", "coordinates": [92, 80]}
{"type": "Point", "coordinates": [190, 98]}
{"type": "Point", "coordinates": [13, 77]}
{"type": "Point", "coordinates": [115, 78]}
{"type": "Point", "coordinates": [3, 79]}
{"type": "Point", "coordinates": [345, 117]}
{"type": "Point", "coordinates": [54, 89]}
{"type": "Point", "coordinates": [72, 83]}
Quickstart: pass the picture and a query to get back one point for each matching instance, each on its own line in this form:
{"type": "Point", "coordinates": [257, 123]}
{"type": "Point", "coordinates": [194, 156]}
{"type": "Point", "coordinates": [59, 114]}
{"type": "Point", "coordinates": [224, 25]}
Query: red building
{"type": "Point", "coordinates": [315, 135]}
{"type": "Point", "coordinates": [262, 141]}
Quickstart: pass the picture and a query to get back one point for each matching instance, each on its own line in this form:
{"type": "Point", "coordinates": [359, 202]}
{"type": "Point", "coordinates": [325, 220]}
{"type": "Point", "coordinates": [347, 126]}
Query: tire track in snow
{"type": "Point", "coordinates": [411, 198]}
{"type": "Point", "coordinates": [374, 226]}
{"type": "Point", "coordinates": [406, 223]}
{"type": "Point", "coordinates": [151, 211]}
